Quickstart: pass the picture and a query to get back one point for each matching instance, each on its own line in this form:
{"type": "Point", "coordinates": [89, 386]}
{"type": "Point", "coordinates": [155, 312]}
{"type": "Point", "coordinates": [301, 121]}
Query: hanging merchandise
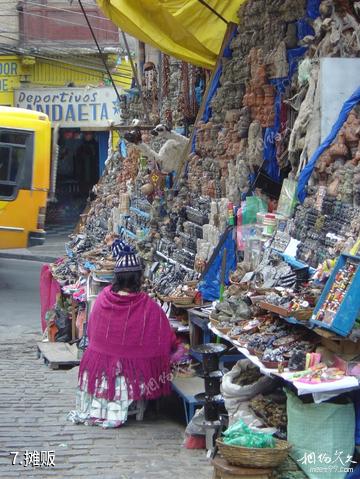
{"type": "Point", "coordinates": [247, 219]}
{"type": "Point", "coordinates": [307, 171]}
{"type": "Point", "coordinates": [180, 201]}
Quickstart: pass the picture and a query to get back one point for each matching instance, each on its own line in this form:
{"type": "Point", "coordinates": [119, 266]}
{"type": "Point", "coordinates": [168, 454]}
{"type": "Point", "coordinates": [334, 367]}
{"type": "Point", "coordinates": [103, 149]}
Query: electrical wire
{"type": "Point", "coordinates": [64, 10]}
{"type": "Point", "coordinates": [57, 20]}
{"type": "Point", "coordinates": [100, 52]}
{"type": "Point", "coordinates": [90, 65]}
{"type": "Point", "coordinates": [97, 74]}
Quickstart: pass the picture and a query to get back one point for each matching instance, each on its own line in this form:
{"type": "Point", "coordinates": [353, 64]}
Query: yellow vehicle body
{"type": "Point", "coordinates": [25, 156]}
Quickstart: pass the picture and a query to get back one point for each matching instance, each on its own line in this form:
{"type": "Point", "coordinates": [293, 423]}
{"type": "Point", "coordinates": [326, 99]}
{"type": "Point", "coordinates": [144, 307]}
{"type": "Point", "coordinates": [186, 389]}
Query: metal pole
{"type": "Point", "coordinates": [206, 5]}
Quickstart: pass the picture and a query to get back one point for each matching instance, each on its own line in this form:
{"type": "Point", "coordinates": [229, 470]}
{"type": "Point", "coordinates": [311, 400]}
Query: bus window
{"type": "Point", "coordinates": [15, 137]}
{"type": "Point", "coordinates": [16, 162]}
{"type": "Point", "coordinates": [4, 162]}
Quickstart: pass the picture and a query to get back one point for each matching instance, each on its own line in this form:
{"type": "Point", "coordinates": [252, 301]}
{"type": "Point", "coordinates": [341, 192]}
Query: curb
{"type": "Point", "coordinates": [29, 257]}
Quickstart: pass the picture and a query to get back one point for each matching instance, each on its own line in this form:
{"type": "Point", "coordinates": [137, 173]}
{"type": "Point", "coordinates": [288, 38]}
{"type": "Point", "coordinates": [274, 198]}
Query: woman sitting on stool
{"type": "Point", "coordinates": [130, 348]}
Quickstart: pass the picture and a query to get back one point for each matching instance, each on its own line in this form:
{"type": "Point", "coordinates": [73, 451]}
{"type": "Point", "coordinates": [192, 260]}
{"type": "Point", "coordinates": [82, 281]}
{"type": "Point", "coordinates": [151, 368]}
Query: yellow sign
{"type": "Point", "coordinates": [9, 78]}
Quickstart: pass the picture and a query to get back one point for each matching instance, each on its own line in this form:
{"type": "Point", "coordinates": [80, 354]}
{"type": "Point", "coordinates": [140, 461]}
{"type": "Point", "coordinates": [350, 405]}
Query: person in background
{"type": "Point", "coordinates": [131, 348]}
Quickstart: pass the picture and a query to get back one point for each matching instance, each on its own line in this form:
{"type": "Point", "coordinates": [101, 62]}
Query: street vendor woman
{"type": "Point", "coordinates": [131, 347]}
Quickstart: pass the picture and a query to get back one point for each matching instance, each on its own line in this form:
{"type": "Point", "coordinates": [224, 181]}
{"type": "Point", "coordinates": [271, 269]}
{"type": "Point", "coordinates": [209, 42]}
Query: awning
{"type": "Point", "coordinates": [185, 29]}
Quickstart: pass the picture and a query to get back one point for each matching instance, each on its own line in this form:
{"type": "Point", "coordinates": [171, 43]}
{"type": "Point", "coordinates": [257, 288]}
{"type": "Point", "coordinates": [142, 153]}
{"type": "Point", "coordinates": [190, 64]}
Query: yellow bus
{"type": "Point", "coordinates": [25, 156]}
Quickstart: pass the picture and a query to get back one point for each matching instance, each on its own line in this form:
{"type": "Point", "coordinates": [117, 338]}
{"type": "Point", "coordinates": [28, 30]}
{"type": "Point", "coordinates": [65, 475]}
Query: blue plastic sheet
{"type": "Point", "coordinates": [304, 29]}
{"type": "Point", "coordinates": [210, 285]}
{"type": "Point", "coordinates": [270, 163]}
{"type": "Point", "coordinates": [216, 81]}
{"type": "Point", "coordinates": [313, 8]}
{"type": "Point", "coordinates": [307, 171]}
{"type": "Point", "coordinates": [355, 474]}
{"type": "Point", "coordinates": [293, 56]}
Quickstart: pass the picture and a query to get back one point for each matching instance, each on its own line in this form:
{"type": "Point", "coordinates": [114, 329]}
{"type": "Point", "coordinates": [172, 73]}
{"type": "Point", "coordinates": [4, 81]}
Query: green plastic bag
{"type": "Point", "coordinates": [288, 198]}
{"type": "Point", "coordinates": [253, 205]}
{"type": "Point", "coordinates": [239, 427]}
{"type": "Point", "coordinates": [239, 434]}
{"type": "Point", "coordinates": [322, 437]}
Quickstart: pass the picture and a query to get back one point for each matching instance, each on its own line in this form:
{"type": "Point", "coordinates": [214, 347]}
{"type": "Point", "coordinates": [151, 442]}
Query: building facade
{"type": "Point", "coordinates": [49, 63]}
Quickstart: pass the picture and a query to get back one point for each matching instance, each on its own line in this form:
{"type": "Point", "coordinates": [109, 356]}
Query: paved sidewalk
{"type": "Point", "coordinates": [34, 403]}
{"type": "Point", "coordinates": [53, 248]}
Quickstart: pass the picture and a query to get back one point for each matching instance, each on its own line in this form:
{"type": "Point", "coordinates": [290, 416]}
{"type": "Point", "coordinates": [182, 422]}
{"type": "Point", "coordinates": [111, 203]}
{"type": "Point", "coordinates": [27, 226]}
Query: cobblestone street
{"type": "Point", "coordinates": [34, 403]}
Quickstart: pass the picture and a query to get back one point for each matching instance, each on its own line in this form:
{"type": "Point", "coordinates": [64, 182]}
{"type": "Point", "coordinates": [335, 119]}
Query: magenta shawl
{"type": "Point", "coordinates": [49, 288]}
{"type": "Point", "coordinates": [128, 336]}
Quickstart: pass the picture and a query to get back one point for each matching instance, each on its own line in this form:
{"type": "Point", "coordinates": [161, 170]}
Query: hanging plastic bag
{"type": "Point", "coordinates": [247, 218]}
{"type": "Point", "coordinates": [287, 200]}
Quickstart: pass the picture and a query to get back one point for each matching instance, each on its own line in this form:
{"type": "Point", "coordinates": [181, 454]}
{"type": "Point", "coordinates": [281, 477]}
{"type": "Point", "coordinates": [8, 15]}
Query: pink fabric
{"type": "Point", "coordinates": [129, 336]}
{"type": "Point", "coordinates": [49, 288]}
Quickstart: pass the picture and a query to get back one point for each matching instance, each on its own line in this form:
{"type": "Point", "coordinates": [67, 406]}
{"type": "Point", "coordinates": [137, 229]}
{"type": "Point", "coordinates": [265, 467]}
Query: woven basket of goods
{"type": "Point", "coordinates": [182, 300]}
{"type": "Point", "coordinates": [255, 457]}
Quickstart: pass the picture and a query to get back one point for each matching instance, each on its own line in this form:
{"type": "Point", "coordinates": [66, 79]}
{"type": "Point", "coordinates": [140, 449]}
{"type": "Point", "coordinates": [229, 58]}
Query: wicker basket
{"type": "Point", "coordinates": [182, 300]}
{"type": "Point", "coordinates": [255, 457]}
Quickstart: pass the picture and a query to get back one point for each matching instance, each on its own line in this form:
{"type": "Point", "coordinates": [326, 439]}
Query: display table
{"type": "Point", "coordinates": [187, 388]}
{"type": "Point", "coordinates": [320, 392]}
{"type": "Point", "coordinates": [199, 320]}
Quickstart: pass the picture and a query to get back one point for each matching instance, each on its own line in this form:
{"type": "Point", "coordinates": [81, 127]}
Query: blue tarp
{"type": "Point", "coordinates": [270, 163]}
{"type": "Point", "coordinates": [210, 285]}
{"type": "Point", "coordinates": [216, 80]}
{"type": "Point", "coordinates": [304, 29]}
{"type": "Point", "coordinates": [307, 171]}
{"type": "Point", "coordinates": [313, 8]}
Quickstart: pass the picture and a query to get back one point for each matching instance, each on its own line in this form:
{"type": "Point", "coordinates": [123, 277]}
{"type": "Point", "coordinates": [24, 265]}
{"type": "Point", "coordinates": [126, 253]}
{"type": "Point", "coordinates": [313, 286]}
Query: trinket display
{"type": "Point", "coordinates": [257, 131]}
{"type": "Point", "coordinates": [319, 373]}
{"type": "Point", "coordinates": [336, 294]}
{"type": "Point", "coordinates": [324, 229]}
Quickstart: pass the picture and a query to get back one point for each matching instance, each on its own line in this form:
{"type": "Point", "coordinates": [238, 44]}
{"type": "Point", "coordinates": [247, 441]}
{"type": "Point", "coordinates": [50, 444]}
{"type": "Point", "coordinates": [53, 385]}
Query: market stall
{"type": "Point", "coordinates": [257, 226]}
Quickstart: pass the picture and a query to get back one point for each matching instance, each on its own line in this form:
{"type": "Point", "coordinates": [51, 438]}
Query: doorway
{"type": "Point", "coordinates": [77, 173]}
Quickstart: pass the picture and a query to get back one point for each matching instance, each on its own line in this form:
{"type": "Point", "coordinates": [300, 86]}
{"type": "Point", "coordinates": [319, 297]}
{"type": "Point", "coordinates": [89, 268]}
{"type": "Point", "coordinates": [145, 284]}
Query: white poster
{"type": "Point", "coordinates": [339, 78]}
{"type": "Point", "coordinates": [72, 107]}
